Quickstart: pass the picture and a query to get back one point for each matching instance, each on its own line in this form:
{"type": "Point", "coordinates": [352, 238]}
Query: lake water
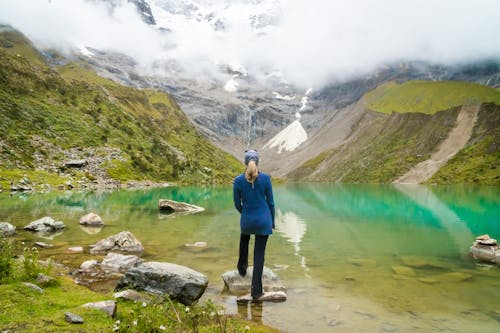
{"type": "Point", "coordinates": [354, 258]}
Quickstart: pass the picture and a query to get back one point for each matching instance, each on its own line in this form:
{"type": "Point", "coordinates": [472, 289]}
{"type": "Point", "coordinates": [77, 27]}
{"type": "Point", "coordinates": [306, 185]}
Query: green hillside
{"type": "Point", "coordinates": [428, 96]}
{"type": "Point", "coordinates": [52, 115]}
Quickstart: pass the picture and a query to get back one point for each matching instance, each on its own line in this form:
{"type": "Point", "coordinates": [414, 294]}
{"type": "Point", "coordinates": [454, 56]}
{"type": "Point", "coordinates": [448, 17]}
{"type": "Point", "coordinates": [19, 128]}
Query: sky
{"type": "Point", "coordinates": [311, 43]}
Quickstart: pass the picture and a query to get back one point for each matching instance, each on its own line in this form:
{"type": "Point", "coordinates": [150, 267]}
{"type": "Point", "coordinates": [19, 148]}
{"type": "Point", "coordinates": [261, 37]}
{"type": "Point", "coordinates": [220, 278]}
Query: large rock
{"type": "Point", "coordinates": [73, 318]}
{"type": "Point", "coordinates": [117, 262]}
{"type": "Point", "coordinates": [91, 219]}
{"type": "Point", "coordinates": [237, 284]}
{"type": "Point", "coordinates": [179, 282]}
{"type": "Point", "coordinates": [171, 206]}
{"type": "Point", "coordinates": [45, 224]}
{"type": "Point", "coordinates": [123, 241]}
{"type": "Point", "coordinates": [7, 229]}
{"type": "Point", "coordinates": [485, 249]}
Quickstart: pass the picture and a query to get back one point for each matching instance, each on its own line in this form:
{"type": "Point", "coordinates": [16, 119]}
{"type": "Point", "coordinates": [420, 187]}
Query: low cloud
{"type": "Point", "coordinates": [310, 42]}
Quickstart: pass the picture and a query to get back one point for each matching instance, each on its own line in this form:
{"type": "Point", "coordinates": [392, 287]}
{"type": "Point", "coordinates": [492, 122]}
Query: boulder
{"type": "Point", "coordinates": [237, 284]}
{"type": "Point", "coordinates": [45, 224]}
{"type": "Point", "coordinates": [89, 265]}
{"type": "Point", "coordinates": [73, 318]}
{"type": "Point", "coordinates": [34, 287]}
{"type": "Point", "coordinates": [117, 262]}
{"type": "Point", "coordinates": [107, 306]}
{"type": "Point", "coordinates": [485, 249]}
{"type": "Point", "coordinates": [179, 282]}
{"type": "Point", "coordinates": [75, 163]}
{"type": "Point", "coordinates": [171, 206]}
{"type": "Point", "coordinates": [45, 280]}
{"type": "Point", "coordinates": [123, 241]}
{"type": "Point", "coordinates": [7, 229]}
{"type": "Point", "coordinates": [91, 219]}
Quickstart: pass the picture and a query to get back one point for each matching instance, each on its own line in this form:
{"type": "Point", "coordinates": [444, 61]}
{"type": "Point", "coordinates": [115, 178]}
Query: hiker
{"type": "Point", "coordinates": [253, 198]}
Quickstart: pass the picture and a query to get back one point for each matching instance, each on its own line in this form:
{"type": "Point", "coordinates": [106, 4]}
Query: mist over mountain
{"type": "Point", "coordinates": [305, 43]}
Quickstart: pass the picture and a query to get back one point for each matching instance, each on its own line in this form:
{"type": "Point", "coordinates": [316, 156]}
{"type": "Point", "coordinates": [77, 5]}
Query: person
{"type": "Point", "coordinates": [253, 198]}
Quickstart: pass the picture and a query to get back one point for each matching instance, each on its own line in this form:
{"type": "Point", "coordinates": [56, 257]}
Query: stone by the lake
{"type": "Point", "coordinates": [483, 237]}
{"type": "Point", "coordinates": [123, 241]}
{"type": "Point", "coordinates": [171, 206]}
{"type": "Point", "coordinates": [403, 270]}
{"type": "Point", "coordinates": [89, 265]}
{"type": "Point", "coordinates": [237, 284]}
{"type": "Point", "coordinates": [490, 241]}
{"type": "Point", "coordinates": [73, 318]}
{"type": "Point", "coordinates": [132, 295]}
{"type": "Point", "coordinates": [269, 296]}
{"type": "Point", "coordinates": [91, 219]}
{"type": "Point", "coordinates": [45, 224]}
{"type": "Point", "coordinates": [33, 287]}
{"type": "Point", "coordinates": [196, 244]}
{"type": "Point", "coordinates": [179, 282]}
{"type": "Point", "coordinates": [107, 306]}
{"type": "Point", "coordinates": [76, 249]}
{"type": "Point", "coordinates": [7, 229]}
{"type": "Point", "coordinates": [117, 262]}
{"type": "Point", "coordinates": [43, 245]}
{"type": "Point", "coordinates": [485, 252]}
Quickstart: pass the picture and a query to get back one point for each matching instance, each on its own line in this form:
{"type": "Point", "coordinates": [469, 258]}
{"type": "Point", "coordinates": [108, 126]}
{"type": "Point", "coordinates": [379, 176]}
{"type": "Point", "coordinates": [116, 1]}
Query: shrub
{"type": "Point", "coordinates": [7, 253]}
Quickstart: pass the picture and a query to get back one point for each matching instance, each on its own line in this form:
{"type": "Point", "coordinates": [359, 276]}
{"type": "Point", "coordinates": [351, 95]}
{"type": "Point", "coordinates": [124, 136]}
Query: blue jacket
{"type": "Point", "coordinates": [255, 203]}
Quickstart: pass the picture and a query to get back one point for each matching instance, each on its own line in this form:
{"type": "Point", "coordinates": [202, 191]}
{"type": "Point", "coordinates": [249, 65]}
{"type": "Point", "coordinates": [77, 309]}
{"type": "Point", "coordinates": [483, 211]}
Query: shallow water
{"type": "Point", "coordinates": [354, 258]}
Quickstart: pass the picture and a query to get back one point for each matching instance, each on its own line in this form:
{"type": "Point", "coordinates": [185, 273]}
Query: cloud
{"type": "Point", "coordinates": [310, 42]}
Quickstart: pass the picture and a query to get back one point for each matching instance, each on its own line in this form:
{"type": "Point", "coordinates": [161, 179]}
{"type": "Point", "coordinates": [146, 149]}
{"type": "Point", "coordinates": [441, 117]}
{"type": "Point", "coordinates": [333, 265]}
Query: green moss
{"type": "Point", "coordinates": [428, 96]}
{"type": "Point", "coordinates": [44, 114]}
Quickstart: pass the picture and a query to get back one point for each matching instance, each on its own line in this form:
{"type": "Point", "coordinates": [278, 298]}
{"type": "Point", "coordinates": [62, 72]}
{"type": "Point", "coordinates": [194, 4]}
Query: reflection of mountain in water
{"type": "Point", "coordinates": [293, 228]}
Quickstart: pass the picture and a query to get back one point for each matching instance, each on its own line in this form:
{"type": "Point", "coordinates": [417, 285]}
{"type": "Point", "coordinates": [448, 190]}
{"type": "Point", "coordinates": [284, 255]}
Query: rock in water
{"type": "Point", "coordinates": [73, 318]}
{"type": "Point", "coordinates": [117, 262]}
{"type": "Point", "coordinates": [171, 206]}
{"type": "Point", "coordinates": [269, 296]}
{"type": "Point", "coordinates": [7, 229]}
{"type": "Point", "coordinates": [485, 249]}
{"type": "Point", "coordinates": [179, 282]}
{"type": "Point", "coordinates": [107, 306]}
{"type": "Point", "coordinates": [45, 224]}
{"type": "Point", "coordinates": [236, 283]}
{"type": "Point", "coordinates": [91, 219]}
{"type": "Point", "coordinates": [403, 270]}
{"type": "Point", "coordinates": [123, 241]}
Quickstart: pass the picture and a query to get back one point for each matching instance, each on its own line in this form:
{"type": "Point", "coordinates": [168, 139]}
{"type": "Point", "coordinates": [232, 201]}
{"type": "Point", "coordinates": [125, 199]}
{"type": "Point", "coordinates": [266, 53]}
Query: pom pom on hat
{"type": "Point", "coordinates": [251, 155]}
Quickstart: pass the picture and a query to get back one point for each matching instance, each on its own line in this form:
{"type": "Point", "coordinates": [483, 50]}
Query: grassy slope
{"type": "Point", "coordinates": [75, 108]}
{"type": "Point", "coordinates": [428, 96]}
{"type": "Point", "coordinates": [479, 161]}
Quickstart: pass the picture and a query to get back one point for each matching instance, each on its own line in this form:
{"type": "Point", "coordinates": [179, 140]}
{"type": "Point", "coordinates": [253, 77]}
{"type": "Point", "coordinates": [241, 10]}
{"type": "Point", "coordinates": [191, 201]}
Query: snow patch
{"type": "Point", "coordinates": [277, 95]}
{"type": "Point", "coordinates": [305, 99]}
{"type": "Point", "coordinates": [84, 51]}
{"type": "Point", "coordinates": [231, 85]}
{"type": "Point", "coordinates": [289, 138]}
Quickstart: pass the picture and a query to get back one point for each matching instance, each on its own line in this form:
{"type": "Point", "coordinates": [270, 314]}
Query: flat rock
{"type": "Point", "coordinates": [108, 307]}
{"type": "Point", "coordinates": [75, 163]}
{"type": "Point", "coordinates": [486, 253]}
{"type": "Point", "coordinates": [269, 296]}
{"type": "Point", "coordinates": [417, 262]}
{"type": "Point", "coordinates": [123, 241]}
{"type": "Point", "coordinates": [34, 287]}
{"type": "Point", "coordinates": [7, 229]}
{"type": "Point", "coordinates": [89, 265]}
{"type": "Point", "coordinates": [171, 206]}
{"type": "Point", "coordinates": [45, 224]}
{"type": "Point", "coordinates": [132, 295]}
{"type": "Point", "coordinates": [179, 282]}
{"type": "Point", "coordinates": [91, 219]}
{"type": "Point", "coordinates": [76, 249]}
{"type": "Point", "coordinates": [363, 262]}
{"type": "Point", "coordinates": [447, 278]}
{"type": "Point", "coordinates": [403, 270]}
{"type": "Point", "coordinates": [43, 245]}
{"type": "Point", "coordinates": [73, 318]}
{"type": "Point", "coordinates": [237, 284]}
{"type": "Point", "coordinates": [196, 244]}
{"type": "Point", "coordinates": [117, 262]}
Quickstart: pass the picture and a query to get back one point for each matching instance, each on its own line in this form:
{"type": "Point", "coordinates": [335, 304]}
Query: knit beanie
{"type": "Point", "coordinates": [251, 155]}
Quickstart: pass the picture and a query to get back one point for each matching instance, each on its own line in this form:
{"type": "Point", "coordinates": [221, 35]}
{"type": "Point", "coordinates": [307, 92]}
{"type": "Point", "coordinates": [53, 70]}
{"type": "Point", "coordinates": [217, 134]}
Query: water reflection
{"type": "Point", "coordinates": [293, 228]}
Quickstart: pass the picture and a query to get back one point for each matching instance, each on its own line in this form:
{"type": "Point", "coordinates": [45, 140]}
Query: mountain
{"type": "Point", "coordinates": [52, 115]}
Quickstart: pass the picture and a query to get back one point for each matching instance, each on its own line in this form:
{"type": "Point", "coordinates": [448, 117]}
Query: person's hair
{"type": "Point", "coordinates": [251, 171]}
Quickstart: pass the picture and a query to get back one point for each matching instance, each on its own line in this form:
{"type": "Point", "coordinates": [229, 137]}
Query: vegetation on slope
{"type": "Point", "coordinates": [50, 116]}
{"type": "Point", "coordinates": [428, 96]}
{"type": "Point", "coordinates": [479, 161]}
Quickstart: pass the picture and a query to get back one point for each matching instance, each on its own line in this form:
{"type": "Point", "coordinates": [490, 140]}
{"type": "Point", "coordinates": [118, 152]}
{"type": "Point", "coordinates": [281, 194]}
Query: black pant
{"type": "Point", "coordinates": [258, 260]}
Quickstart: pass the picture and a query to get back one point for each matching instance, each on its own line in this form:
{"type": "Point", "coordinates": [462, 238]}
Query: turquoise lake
{"type": "Point", "coordinates": [354, 258]}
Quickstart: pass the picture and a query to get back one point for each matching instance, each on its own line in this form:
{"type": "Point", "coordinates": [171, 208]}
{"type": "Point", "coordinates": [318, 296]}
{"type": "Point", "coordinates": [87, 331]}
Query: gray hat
{"type": "Point", "coordinates": [251, 155]}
